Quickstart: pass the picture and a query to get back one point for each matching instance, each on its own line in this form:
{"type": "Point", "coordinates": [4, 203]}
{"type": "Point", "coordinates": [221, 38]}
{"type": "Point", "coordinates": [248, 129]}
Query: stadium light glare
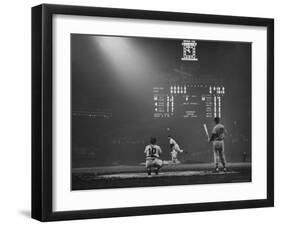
{"type": "Point", "coordinates": [126, 59]}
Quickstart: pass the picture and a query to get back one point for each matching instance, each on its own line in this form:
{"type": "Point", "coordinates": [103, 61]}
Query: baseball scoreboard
{"type": "Point", "coordinates": [192, 100]}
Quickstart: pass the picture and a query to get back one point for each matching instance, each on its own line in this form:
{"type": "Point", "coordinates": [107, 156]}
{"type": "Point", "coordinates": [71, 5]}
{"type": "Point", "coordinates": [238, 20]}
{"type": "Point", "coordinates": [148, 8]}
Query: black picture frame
{"type": "Point", "coordinates": [42, 111]}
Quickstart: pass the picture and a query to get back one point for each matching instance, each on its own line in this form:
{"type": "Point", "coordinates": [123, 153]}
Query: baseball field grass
{"type": "Point", "coordinates": [121, 176]}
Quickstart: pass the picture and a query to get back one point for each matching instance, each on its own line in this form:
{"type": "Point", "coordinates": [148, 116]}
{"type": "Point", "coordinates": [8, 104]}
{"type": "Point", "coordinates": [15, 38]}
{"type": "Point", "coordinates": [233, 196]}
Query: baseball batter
{"type": "Point", "coordinates": [218, 134]}
{"type": "Point", "coordinates": [153, 161]}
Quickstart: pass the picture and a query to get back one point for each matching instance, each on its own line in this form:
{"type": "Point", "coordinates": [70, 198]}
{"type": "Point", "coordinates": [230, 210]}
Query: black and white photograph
{"type": "Point", "coordinates": [149, 111]}
{"type": "Point", "coordinates": [141, 112]}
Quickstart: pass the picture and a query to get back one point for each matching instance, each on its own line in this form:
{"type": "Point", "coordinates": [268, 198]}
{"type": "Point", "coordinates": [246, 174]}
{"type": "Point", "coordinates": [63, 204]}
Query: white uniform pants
{"type": "Point", "coordinates": [218, 149]}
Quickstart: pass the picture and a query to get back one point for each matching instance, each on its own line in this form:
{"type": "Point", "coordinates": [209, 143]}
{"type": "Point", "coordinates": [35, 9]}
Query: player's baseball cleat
{"type": "Point", "coordinates": [217, 169]}
{"type": "Point", "coordinates": [224, 169]}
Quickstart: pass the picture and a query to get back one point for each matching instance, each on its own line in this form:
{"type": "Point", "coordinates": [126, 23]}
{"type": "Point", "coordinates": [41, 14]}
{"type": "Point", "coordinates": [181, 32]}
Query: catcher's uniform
{"type": "Point", "coordinates": [152, 153]}
{"type": "Point", "coordinates": [218, 134]}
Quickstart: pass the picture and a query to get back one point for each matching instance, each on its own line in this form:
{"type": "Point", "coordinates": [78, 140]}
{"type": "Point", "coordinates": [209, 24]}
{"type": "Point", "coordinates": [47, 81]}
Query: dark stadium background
{"type": "Point", "coordinates": [114, 77]}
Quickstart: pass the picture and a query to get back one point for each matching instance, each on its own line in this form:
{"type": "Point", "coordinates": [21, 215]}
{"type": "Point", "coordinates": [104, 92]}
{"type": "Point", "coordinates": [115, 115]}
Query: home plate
{"type": "Point", "coordinates": [163, 174]}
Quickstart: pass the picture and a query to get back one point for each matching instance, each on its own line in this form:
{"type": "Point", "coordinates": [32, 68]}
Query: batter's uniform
{"type": "Point", "coordinates": [218, 133]}
{"type": "Point", "coordinates": [153, 153]}
{"type": "Point", "coordinates": [174, 145]}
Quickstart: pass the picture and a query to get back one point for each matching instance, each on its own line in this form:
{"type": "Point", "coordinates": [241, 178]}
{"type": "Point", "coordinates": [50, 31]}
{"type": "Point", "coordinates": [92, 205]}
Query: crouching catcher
{"type": "Point", "coordinates": [153, 161]}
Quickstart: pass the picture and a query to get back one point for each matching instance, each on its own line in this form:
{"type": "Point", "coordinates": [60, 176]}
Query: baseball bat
{"type": "Point", "coordinates": [206, 131]}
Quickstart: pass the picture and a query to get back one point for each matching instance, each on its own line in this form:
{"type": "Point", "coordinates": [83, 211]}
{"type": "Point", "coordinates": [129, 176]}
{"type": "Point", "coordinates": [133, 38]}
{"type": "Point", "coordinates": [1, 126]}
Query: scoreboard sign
{"type": "Point", "coordinates": [191, 100]}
